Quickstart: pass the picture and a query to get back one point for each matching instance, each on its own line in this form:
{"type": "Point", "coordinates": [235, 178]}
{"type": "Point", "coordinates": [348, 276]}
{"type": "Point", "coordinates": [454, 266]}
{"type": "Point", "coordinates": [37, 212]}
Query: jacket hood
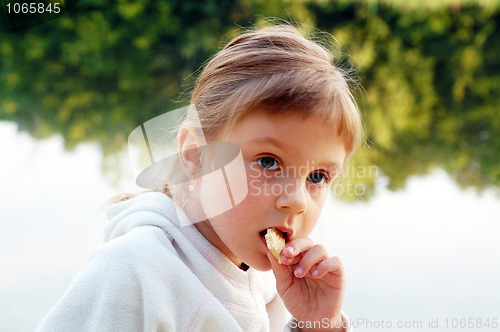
{"type": "Point", "coordinates": [123, 216]}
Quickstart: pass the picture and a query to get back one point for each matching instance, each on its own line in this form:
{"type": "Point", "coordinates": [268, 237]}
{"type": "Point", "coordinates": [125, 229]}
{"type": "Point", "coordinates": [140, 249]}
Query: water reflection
{"type": "Point", "coordinates": [429, 250]}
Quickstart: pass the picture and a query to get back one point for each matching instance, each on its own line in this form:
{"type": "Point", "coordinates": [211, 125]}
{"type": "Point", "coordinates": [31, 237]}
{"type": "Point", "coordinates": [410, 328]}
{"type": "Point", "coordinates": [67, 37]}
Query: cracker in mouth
{"type": "Point", "coordinates": [275, 241]}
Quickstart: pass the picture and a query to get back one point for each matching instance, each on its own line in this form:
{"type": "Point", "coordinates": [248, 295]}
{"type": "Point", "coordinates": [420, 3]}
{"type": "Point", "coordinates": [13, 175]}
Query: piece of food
{"type": "Point", "coordinates": [275, 242]}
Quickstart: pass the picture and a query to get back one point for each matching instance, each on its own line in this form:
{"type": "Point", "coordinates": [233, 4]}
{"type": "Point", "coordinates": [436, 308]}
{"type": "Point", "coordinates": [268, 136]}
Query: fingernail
{"type": "Point", "coordinates": [315, 273]}
{"type": "Point", "coordinates": [290, 250]}
{"type": "Point", "coordinates": [298, 272]}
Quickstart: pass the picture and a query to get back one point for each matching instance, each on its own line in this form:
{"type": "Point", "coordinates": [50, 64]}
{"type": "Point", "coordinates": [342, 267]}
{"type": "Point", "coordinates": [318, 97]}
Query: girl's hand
{"type": "Point", "coordinates": [311, 284]}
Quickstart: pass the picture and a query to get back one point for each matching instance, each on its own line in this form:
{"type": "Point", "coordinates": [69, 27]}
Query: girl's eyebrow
{"type": "Point", "coordinates": [273, 141]}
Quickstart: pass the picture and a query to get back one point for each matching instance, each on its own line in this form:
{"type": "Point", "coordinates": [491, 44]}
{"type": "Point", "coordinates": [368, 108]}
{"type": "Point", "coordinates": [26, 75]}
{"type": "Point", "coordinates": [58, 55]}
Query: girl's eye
{"type": "Point", "coordinates": [268, 163]}
{"type": "Point", "coordinates": [318, 178]}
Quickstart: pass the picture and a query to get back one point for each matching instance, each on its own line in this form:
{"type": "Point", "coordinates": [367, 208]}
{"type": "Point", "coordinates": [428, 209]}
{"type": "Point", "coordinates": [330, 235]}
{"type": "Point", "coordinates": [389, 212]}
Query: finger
{"type": "Point", "coordinates": [314, 256]}
{"type": "Point", "coordinates": [281, 273]}
{"type": "Point", "coordinates": [331, 265]}
{"type": "Point", "coordinates": [297, 246]}
{"type": "Point", "coordinates": [290, 261]}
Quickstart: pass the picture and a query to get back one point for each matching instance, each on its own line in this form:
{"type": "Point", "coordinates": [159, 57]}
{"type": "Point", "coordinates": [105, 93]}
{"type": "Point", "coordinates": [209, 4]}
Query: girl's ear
{"type": "Point", "coordinates": [190, 143]}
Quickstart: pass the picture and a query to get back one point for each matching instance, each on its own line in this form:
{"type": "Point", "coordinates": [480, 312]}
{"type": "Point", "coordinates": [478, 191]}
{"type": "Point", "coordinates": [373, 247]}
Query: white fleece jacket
{"type": "Point", "coordinates": [153, 275]}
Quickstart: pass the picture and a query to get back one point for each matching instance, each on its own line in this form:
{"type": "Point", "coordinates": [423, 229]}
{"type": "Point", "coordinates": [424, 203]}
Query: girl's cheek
{"type": "Point", "coordinates": [319, 193]}
{"type": "Point", "coordinates": [257, 175]}
{"type": "Point", "coordinates": [263, 187]}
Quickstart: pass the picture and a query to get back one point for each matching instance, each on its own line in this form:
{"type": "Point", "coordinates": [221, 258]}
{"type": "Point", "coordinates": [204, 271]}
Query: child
{"type": "Point", "coordinates": [279, 99]}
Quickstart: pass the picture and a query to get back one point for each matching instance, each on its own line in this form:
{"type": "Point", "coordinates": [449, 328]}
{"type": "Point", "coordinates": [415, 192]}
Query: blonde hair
{"type": "Point", "coordinates": [276, 70]}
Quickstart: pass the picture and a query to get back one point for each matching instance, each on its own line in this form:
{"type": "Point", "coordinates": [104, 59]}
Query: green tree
{"type": "Point", "coordinates": [430, 75]}
{"type": "Point", "coordinates": [430, 78]}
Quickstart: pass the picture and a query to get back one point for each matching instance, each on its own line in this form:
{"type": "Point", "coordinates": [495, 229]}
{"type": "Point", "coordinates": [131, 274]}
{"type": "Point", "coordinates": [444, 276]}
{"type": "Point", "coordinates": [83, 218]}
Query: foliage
{"type": "Point", "coordinates": [430, 74]}
{"type": "Point", "coordinates": [431, 80]}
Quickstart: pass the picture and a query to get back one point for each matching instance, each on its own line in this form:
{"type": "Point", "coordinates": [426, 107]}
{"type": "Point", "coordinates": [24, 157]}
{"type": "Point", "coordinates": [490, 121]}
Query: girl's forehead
{"type": "Point", "coordinates": [283, 122]}
{"type": "Point", "coordinates": [290, 133]}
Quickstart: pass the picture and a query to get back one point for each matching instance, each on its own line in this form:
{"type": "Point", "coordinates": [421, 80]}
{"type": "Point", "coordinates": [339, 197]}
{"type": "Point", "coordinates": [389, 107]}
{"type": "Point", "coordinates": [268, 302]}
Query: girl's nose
{"type": "Point", "coordinates": [292, 198]}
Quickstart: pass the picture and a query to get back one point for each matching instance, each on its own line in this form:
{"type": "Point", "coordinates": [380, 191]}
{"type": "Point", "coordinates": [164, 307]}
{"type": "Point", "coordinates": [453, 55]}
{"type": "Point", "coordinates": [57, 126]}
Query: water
{"type": "Point", "coordinates": [422, 255]}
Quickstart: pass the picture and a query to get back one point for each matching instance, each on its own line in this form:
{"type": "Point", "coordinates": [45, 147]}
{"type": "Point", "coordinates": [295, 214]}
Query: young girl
{"type": "Point", "coordinates": [279, 99]}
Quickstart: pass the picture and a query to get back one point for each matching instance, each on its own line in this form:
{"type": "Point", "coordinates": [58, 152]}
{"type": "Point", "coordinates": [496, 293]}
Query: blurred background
{"type": "Point", "coordinates": [418, 221]}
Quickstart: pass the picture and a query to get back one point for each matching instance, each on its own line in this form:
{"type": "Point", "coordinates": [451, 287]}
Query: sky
{"type": "Point", "coordinates": [428, 254]}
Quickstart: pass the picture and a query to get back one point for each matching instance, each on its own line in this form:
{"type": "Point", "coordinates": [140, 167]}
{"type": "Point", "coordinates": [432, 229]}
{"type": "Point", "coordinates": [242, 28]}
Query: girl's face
{"type": "Point", "coordinates": [290, 165]}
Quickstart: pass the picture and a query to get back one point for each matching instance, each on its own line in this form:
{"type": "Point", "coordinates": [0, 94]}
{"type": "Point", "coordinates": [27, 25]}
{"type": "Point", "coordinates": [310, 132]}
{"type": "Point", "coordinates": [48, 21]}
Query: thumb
{"type": "Point", "coordinates": [282, 273]}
